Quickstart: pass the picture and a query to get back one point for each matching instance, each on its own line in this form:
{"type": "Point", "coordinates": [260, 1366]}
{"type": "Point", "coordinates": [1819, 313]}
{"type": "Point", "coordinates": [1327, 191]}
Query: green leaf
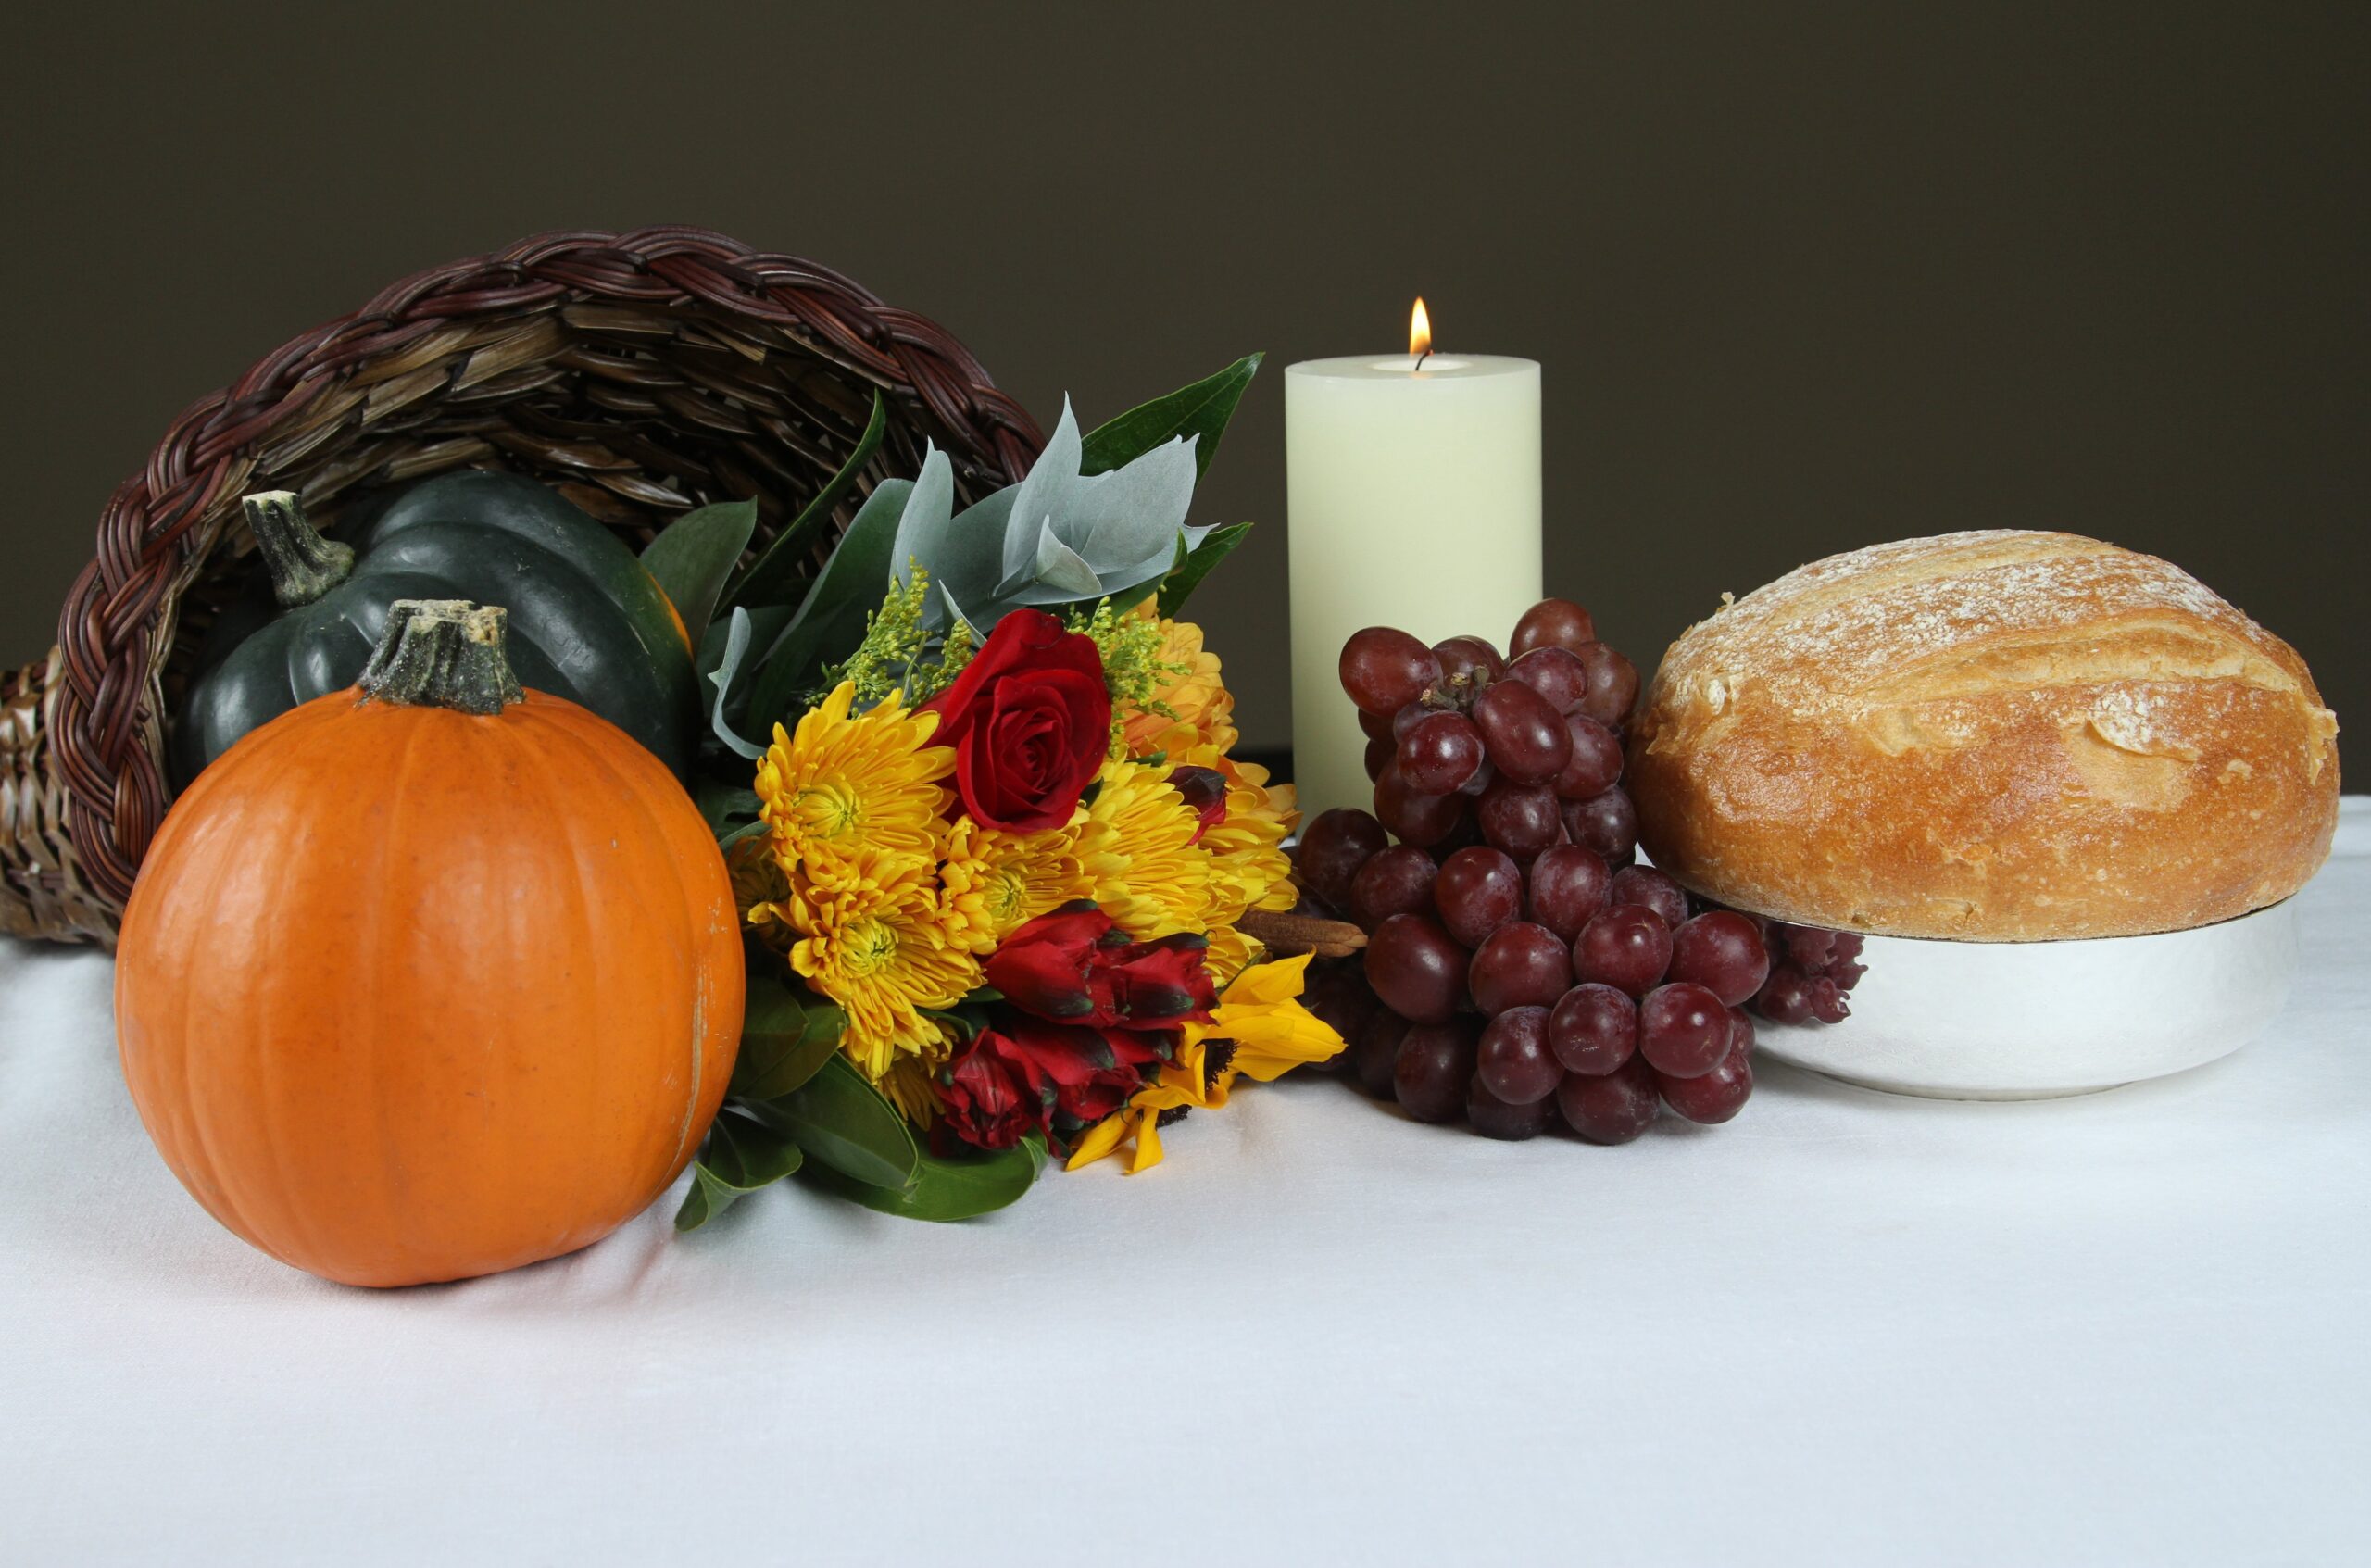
{"type": "Point", "coordinates": [777, 566]}
{"type": "Point", "coordinates": [944, 1187]}
{"type": "Point", "coordinates": [724, 805]}
{"type": "Point", "coordinates": [845, 1122]}
{"type": "Point", "coordinates": [1201, 409]}
{"type": "Point", "coordinates": [830, 622]}
{"type": "Point", "coordinates": [786, 1036]}
{"type": "Point", "coordinates": [1180, 584]}
{"type": "Point", "coordinates": [739, 1156]}
{"type": "Point", "coordinates": [694, 555]}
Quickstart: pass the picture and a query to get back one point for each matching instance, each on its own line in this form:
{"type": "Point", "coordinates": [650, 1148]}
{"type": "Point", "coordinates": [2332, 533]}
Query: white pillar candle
{"type": "Point", "coordinates": [1412, 493]}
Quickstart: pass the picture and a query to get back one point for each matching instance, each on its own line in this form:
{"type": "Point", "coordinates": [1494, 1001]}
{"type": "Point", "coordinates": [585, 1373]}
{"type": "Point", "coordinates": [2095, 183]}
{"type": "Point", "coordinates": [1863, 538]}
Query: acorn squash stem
{"type": "Point", "coordinates": [304, 565]}
{"type": "Point", "coordinates": [443, 653]}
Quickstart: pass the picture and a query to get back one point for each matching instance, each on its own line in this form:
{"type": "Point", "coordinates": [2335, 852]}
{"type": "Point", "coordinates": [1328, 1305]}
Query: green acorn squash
{"type": "Point", "coordinates": [587, 621]}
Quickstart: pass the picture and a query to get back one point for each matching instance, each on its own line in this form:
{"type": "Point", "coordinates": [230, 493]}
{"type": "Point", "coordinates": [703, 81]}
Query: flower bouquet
{"type": "Point", "coordinates": [1000, 868]}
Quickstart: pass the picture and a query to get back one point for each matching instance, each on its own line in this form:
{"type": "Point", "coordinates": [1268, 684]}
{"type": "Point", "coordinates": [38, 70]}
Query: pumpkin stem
{"type": "Point", "coordinates": [304, 565]}
{"type": "Point", "coordinates": [443, 653]}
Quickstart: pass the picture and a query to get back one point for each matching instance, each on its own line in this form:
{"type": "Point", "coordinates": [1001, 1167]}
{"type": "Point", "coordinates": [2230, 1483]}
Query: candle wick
{"type": "Point", "coordinates": [1420, 361]}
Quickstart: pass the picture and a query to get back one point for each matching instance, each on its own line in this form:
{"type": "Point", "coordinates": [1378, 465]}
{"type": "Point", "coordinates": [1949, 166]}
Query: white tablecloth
{"type": "Point", "coordinates": [2130, 1328]}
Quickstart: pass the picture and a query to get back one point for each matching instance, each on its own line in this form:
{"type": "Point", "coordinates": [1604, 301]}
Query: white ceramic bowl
{"type": "Point", "coordinates": [2033, 1020]}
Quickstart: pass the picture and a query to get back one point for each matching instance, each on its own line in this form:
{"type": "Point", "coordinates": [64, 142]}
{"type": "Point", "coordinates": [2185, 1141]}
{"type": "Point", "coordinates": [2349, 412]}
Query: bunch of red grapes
{"type": "Point", "coordinates": [1518, 965]}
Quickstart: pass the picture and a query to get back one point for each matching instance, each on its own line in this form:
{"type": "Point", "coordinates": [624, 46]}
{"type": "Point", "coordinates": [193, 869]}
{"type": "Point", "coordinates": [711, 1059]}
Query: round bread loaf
{"type": "Point", "coordinates": [2002, 736]}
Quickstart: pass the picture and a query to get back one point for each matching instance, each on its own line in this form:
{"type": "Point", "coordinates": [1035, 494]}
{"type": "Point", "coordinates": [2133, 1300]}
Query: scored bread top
{"type": "Point", "coordinates": [1996, 736]}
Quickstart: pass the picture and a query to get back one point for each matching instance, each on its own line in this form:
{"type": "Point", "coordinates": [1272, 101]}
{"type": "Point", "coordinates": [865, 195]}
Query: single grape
{"type": "Point", "coordinates": [1483, 777]}
{"type": "Point", "coordinates": [1683, 1030]}
{"type": "Point", "coordinates": [1521, 965]}
{"type": "Point", "coordinates": [1374, 725]}
{"type": "Point", "coordinates": [1413, 966]}
{"type": "Point", "coordinates": [1525, 736]}
{"type": "Point", "coordinates": [1333, 846]}
{"type": "Point", "coordinates": [1810, 948]}
{"type": "Point", "coordinates": [1556, 674]}
{"type": "Point", "coordinates": [1740, 1031]}
{"type": "Point", "coordinates": [1568, 885]}
{"type": "Point", "coordinates": [1613, 685]}
{"type": "Point", "coordinates": [1711, 1097]}
{"type": "Point", "coordinates": [1593, 1029]}
{"type": "Point", "coordinates": [1439, 755]}
{"type": "Point", "coordinates": [1644, 885]}
{"type": "Point", "coordinates": [1607, 823]}
{"type": "Point", "coordinates": [1378, 756]}
{"type": "Point", "coordinates": [1722, 951]}
{"type": "Point", "coordinates": [1786, 997]}
{"type": "Point", "coordinates": [1625, 945]}
{"type": "Point", "coordinates": [1520, 818]}
{"type": "Point", "coordinates": [1413, 816]}
{"type": "Point", "coordinates": [1397, 881]}
{"type": "Point", "coordinates": [1339, 996]}
{"type": "Point", "coordinates": [1593, 763]}
{"type": "Point", "coordinates": [1613, 1108]}
{"type": "Point", "coordinates": [1376, 1050]}
{"type": "Point", "coordinates": [1435, 1065]}
{"type": "Point", "coordinates": [1384, 669]}
{"type": "Point", "coordinates": [1471, 660]}
{"type": "Point", "coordinates": [1553, 623]}
{"type": "Point", "coordinates": [1495, 1117]}
{"type": "Point", "coordinates": [1513, 1061]}
{"type": "Point", "coordinates": [1478, 890]}
{"type": "Point", "coordinates": [1828, 1001]}
{"type": "Point", "coordinates": [1414, 714]}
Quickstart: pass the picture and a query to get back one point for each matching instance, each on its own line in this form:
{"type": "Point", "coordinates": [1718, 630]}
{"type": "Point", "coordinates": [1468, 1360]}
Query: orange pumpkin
{"type": "Point", "coordinates": [430, 977]}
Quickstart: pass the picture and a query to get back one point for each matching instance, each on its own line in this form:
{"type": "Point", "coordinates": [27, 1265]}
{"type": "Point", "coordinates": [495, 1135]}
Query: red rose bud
{"type": "Point", "coordinates": [1205, 791]}
{"type": "Point", "coordinates": [1154, 985]}
{"type": "Point", "coordinates": [1030, 720]}
{"type": "Point", "coordinates": [1043, 966]}
{"type": "Point", "coordinates": [995, 1093]}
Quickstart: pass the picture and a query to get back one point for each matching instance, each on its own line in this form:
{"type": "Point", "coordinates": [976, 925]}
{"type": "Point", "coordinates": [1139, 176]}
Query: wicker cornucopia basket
{"type": "Point", "coordinates": [641, 373]}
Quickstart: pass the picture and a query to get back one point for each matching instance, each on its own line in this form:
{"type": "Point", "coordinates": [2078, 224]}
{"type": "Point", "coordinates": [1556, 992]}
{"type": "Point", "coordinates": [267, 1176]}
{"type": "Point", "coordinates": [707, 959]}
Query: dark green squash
{"type": "Point", "coordinates": [587, 622]}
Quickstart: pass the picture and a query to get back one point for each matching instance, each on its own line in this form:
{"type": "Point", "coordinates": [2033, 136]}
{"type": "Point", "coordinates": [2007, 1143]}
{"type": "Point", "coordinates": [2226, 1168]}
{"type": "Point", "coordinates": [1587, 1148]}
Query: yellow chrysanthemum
{"type": "Point", "coordinates": [761, 888]}
{"type": "Point", "coordinates": [1249, 868]}
{"type": "Point", "coordinates": [1136, 847]}
{"type": "Point", "coordinates": [845, 785]}
{"type": "Point", "coordinates": [997, 882]}
{"type": "Point", "coordinates": [1259, 1030]}
{"type": "Point", "coordinates": [874, 937]}
{"type": "Point", "coordinates": [1199, 724]}
{"type": "Point", "coordinates": [912, 1084]}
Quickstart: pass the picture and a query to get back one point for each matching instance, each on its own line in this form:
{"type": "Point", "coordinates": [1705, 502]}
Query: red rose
{"type": "Point", "coordinates": [1030, 720]}
{"type": "Point", "coordinates": [1028, 1075]}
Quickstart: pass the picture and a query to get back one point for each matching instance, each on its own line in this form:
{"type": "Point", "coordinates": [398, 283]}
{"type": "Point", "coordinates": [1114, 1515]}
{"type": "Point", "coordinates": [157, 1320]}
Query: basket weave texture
{"type": "Point", "coordinates": [641, 374]}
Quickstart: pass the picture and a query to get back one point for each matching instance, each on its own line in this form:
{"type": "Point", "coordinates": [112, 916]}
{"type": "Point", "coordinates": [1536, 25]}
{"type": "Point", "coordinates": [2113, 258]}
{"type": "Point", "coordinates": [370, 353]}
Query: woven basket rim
{"type": "Point", "coordinates": [739, 343]}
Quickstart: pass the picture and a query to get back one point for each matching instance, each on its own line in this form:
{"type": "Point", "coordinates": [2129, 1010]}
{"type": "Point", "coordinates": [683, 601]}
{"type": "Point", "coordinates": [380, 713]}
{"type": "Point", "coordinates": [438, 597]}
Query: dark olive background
{"type": "Point", "coordinates": [1803, 278]}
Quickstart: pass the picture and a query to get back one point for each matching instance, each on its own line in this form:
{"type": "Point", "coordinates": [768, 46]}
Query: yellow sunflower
{"type": "Point", "coordinates": [1136, 847]}
{"type": "Point", "coordinates": [1259, 1030]}
{"type": "Point", "coordinates": [995, 882]}
{"type": "Point", "coordinates": [874, 937]}
{"type": "Point", "coordinates": [845, 785]}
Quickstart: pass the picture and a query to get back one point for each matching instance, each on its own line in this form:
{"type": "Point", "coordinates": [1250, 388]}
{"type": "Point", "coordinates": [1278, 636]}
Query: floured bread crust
{"type": "Point", "coordinates": [1995, 736]}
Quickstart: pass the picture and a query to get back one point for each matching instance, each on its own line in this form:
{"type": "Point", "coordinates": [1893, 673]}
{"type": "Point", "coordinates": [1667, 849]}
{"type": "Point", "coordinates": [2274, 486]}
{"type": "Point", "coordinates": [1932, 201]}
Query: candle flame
{"type": "Point", "coordinates": [1419, 328]}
